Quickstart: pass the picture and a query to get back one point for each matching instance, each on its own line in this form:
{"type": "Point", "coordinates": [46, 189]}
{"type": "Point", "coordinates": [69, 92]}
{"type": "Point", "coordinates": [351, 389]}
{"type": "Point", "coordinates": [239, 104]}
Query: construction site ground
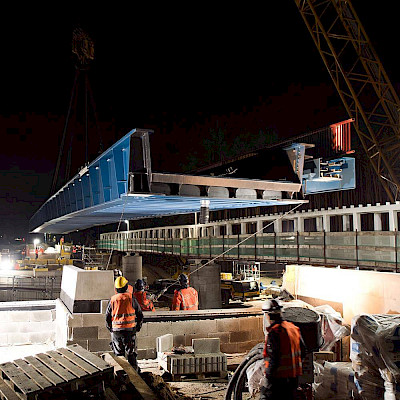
{"type": "Point", "coordinates": [193, 388]}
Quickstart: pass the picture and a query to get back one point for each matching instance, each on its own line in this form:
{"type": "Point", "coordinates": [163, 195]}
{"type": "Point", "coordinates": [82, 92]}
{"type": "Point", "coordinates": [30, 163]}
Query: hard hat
{"type": "Point", "coordinates": [272, 306]}
{"type": "Point", "coordinates": [120, 282]}
{"type": "Point", "coordinates": [183, 278]}
{"type": "Point", "coordinates": [139, 284]}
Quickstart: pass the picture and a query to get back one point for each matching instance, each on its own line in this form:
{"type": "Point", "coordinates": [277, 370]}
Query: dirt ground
{"type": "Point", "coordinates": [209, 388]}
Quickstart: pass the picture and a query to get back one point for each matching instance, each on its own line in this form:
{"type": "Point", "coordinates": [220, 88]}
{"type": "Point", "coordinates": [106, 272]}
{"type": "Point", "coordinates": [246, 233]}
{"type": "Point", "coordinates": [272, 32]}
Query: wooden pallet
{"type": "Point", "coordinates": [199, 376]}
{"type": "Point", "coordinates": [57, 371]}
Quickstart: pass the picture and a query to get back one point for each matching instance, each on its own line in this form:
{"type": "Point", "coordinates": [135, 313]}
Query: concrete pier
{"type": "Point", "coordinates": [207, 281]}
{"type": "Point", "coordinates": [132, 268]}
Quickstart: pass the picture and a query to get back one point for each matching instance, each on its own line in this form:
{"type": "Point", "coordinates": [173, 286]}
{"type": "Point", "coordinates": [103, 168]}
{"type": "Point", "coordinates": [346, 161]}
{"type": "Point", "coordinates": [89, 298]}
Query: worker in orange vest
{"type": "Point", "coordinates": [130, 287]}
{"type": "Point", "coordinates": [186, 297]}
{"type": "Point", "coordinates": [283, 351]}
{"type": "Point", "coordinates": [124, 319]}
{"type": "Point", "coordinates": [143, 298]}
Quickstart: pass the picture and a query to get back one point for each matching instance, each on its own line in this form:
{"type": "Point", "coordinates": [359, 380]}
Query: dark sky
{"type": "Point", "coordinates": [177, 70]}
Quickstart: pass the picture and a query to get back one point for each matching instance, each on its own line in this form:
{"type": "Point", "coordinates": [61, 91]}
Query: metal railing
{"type": "Point", "coordinates": [17, 288]}
{"type": "Point", "coordinates": [355, 249]}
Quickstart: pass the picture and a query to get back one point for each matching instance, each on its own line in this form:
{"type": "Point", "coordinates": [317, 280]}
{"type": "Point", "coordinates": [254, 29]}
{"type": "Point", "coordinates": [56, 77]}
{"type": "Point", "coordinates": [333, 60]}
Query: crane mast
{"type": "Point", "coordinates": [361, 81]}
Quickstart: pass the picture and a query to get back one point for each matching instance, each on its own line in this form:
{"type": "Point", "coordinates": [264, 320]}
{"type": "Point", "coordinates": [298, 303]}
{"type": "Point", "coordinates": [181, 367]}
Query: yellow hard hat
{"type": "Point", "coordinates": [120, 282]}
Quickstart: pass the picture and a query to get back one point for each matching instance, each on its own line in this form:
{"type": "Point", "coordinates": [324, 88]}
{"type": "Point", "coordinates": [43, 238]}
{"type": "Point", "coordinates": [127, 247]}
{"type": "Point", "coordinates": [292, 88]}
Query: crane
{"type": "Point", "coordinates": [83, 51]}
{"type": "Point", "coordinates": [361, 81]}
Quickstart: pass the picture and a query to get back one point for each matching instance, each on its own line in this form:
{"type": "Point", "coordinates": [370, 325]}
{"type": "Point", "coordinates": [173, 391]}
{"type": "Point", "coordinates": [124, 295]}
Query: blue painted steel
{"type": "Point", "coordinates": [329, 176]}
{"type": "Point", "coordinates": [99, 195]}
{"type": "Point", "coordinates": [103, 180]}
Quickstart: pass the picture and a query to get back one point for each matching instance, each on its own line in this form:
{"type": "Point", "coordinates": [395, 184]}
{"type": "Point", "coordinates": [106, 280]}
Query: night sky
{"type": "Point", "coordinates": [179, 71]}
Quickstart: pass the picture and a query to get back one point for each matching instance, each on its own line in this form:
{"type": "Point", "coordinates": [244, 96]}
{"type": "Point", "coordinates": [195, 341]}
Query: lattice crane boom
{"type": "Point", "coordinates": [361, 81]}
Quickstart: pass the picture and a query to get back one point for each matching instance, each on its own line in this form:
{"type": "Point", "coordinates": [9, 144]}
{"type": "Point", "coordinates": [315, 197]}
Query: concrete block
{"type": "Point", "coordinates": [159, 328]}
{"type": "Point", "coordinates": [229, 348]}
{"type": "Point", "coordinates": [143, 330]}
{"type": "Point", "coordinates": [248, 324]}
{"type": "Point", "coordinates": [41, 337]}
{"type": "Point", "coordinates": [99, 344]}
{"type": "Point", "coordinates": [103, 306]}
{"type": "Point", "coordinates": [258, 335]}
{"type": "Point", "coordinates": [61, 310]}
{"type": "Point", "coordinates": [82, 290]}
{"type": "Point", "coordinates": [164, 343]}
{"type": "Point", "coordinates": [205, 327]}
{"type": "Point", "coordinates": [179, 340]}
{"type": "Point", "coordinates": [223, 336]}
{"type": "Point", "coordinates": [82, 343]}
{"type": "Point", "coordinates": [89, 332]}
{"type": "Point", "coordinates": [18, 316]}
{"type": "Point", "coordinates": [151, 354]}
{"type": "Point", "coordinates": [3, 339]}
{"type": "Point", "coordinates": [190, 337]}
{"type": "Point", "coordinates": [93, 320]}
{"type": "Point", "coordinates": [41, 316]}
{"type": "Point", "coordinates": [48, 326]}
{"type": "Point", "coordinates": [75, 320]}
{"type": "Point", "coordinates": [4, 315]}
{"type": "Point", "coordinates": [61, 336]}
{"type": "Point", "coordinates": [141, 354]}
{"type": "Point", "coordinates": [228, 325]}
{"type": "Point", "coordinates": [147, 354]}
{"type": "Point", "coordinates": [18, 338]}
{"type": "Point", "coordinates": [80, 284]}
{"type": "Point", "coordinates": [147, 342]}
{"type": "Point", "coordinates": [206, 346]}
{"type": "Point", "coordinates": [10, 327]}
{"type": "Point", "coordinates": [260, 324]}
{"type": "Point", "coordinates": [240, 336]}
{"type": "Point", "coordinates": [244, 347]}
{"type": "Point", "coordinates": [182, 327]}
{"type": "Point", "coordinates": [104, 333]}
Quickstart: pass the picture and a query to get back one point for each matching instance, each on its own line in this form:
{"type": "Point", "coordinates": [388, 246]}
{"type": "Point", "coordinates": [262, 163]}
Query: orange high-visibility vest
{"type": "Point", "coordinates": [144, 303]}
{"type": "Point", "coordinates": [123, 314]}
{"type": "Point", "coordinates": [290, 353]}
{"type": "Point", "coordinates": [185, 299]}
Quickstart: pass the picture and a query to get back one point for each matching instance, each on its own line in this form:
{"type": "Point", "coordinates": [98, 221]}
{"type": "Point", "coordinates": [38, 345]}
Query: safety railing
{"type": "Point", "coordinates": [355, 249]}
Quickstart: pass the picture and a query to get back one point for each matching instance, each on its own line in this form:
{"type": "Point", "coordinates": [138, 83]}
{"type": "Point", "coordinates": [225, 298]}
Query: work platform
{"type": "Point", "coordinates": [121, 184]}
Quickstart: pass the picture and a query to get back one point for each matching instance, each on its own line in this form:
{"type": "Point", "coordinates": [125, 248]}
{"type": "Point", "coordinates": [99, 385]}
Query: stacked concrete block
{"type": "Point", "coordinates": [27, 326]}
{"type": "Point", "coordinates": [86, 329]}
{"type": "Point", "coordinates": [235, 334]}
{"type": "Point", "coordinates": [206, 357]}
{"type": "Point", "coordinates": [186, 364]}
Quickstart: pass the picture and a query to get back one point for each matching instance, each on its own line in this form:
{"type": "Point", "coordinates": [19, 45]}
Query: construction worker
{"type": "Point", "coordinates": [283, 353]}
{"type": "Point", "coordinates": [124, 319]}
{"type": "Point", "coordinates": [186, 297]}
{"type": "Point", "coordinates": [130, 287]}
{"type": "Point", "coordinates": [142, 297]}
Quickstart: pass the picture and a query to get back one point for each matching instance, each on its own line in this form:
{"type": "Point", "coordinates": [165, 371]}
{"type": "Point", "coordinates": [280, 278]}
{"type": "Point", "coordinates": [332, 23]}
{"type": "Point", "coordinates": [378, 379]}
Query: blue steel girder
{"type": "Point", "coordinates": [103, 180]}
{"type": "Point", "coordinates": [118, 184]}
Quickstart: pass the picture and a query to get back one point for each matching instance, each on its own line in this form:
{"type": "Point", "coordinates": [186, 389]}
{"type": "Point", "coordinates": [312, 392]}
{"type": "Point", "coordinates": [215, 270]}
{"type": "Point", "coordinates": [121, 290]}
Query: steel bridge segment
{"type": "Point", "coordinates": [117, 185]}
{"type": "Point", "coordinates": [135, 207]}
